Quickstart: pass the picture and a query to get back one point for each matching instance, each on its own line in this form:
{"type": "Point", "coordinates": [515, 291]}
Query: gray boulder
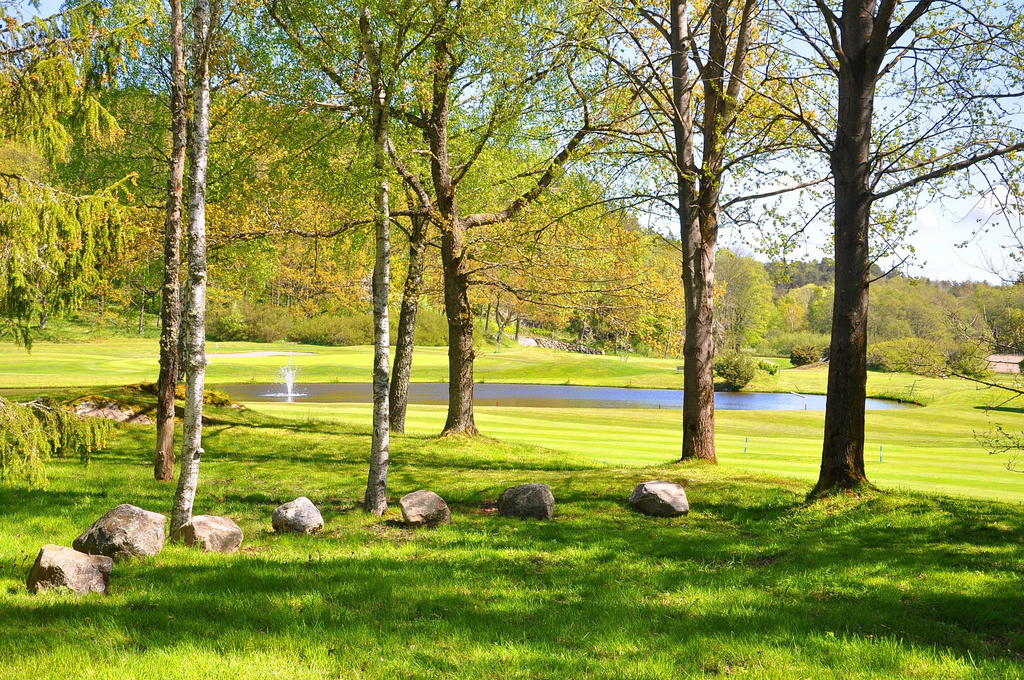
{"type": "Point", "coordinates": [60, 567]}
{"type": "Point", "coordinates": [660, 499]}
{"type": "Point", "coordinates": [211, 533]}
{"type": "Point", "coordinates": [527, 500]}
{"type": "Point", "coordinates": [125, 531]}
{"type": "Point", "coordinates": [299, 516]}
{"type": "Point", "coordinates": [425, 509]}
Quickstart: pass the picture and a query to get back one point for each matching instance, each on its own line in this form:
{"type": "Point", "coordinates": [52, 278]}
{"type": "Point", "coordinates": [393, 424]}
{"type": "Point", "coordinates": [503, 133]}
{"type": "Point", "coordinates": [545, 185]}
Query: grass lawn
{"type": "Point", "coordinates": [753, 582]}
{"type": "Point", "coordinates": [927, 449]}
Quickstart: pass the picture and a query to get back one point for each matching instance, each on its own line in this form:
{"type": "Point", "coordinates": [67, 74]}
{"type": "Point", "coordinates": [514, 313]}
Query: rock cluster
{"type": "Point", "coordinates": [299, 516]}
{"type": "Point", "coordinates": [527, 500]}
{"type": "Point", "coordinates": [125, 531]}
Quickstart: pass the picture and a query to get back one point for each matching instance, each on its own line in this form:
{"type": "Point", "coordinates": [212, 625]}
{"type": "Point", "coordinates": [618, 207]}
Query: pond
{"type": "Point", "coordinates": [550, 396]}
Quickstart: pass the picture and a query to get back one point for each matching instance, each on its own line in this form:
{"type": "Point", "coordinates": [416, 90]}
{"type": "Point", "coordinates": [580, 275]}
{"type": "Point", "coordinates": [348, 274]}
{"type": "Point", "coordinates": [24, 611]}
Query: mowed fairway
{"type": "Point", "coordinates": [923, 449]}
{"type": "Point", "coordinates": [931, 448]}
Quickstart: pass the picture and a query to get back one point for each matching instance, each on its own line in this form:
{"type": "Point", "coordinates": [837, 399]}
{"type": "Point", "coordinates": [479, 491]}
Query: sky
{"type": "Point", "coordinates": [939, 228]}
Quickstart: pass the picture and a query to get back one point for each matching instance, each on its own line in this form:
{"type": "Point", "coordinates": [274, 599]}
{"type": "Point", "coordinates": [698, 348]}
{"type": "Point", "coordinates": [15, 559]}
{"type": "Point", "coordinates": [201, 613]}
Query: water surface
{"type": "Point", "coordinates": [549, 396]}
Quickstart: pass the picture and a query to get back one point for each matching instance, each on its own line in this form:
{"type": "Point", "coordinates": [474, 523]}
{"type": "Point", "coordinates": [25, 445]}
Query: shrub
{"type": "Point", "coordinates": [267, 323]}
{"type": "Point", "coordinates": [970, 360]}
{"type": "Point", "coordinates": [768, 367]}
{"type": "Point", "coordinates": [226, 324]}
{"type": "Point", "coordinates": [333, 330]}
{"type": "Point", "coordinates": [801, 355]}
{"type": "Point", "coordinates": [431, 328]}
{"type": "Point", "coordinates": [906, 355]}
{"type": "Point", "coordinates": [257, 323]}
{"type": "Point", "coordinates": [781, 344]}
{"type": "Point", "coordinates": [736, 370]}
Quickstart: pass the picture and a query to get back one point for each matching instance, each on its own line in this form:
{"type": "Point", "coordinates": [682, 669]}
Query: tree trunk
{"type": "Point", "coordinates": [460, 334]}
{"type": "Point", "coordinates": [518, 319]}
{"type": "Point", "coordinates": [43, 315]}
{"type": "Point", "coordinates": [457, 308]}
{"type": "Point", "coordinates": [487, 319]}
{"type": "Point", "coordinates": [842, 456]}
{"type": "Point", "coordinates": [376, 500]}
{"type": "Point", "coordinates": [195, 319]}
{"type": "Point", "coordinates": [142, 314]}
{"type": "Point", "coordinates": [698, 266]}
{"type": "Point", "coordinates": [170, 305]}
{"type": "Point", "coordinates": [399, 395]}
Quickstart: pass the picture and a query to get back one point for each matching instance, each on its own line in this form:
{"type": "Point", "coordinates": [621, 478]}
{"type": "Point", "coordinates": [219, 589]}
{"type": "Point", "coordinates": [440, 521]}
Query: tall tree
{"type": "Point", "coordinates": [513, 70]}
{"type": "Point", "coordinates": [376, 500]}
{"type": "Point", "coordinates": [712, 126]}
{"type": "Point", "coordinates": [170, 309]}
{"type": "Point", "coordinates": [51, 236]}
{"type": "Point", "coordinates": [205, 19]}
{"type": "Point", "coordinates": [916, 95]}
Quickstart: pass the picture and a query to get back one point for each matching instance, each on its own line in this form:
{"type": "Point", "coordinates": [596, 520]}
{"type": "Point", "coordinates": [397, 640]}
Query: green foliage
{"type": "Point", "coordinates": [328, 329]}
{"type": "Point", "coordinates": [735, 369]}
{"type": "Point", "coordinates": [743, 306]}
{"type": "Point", "coordinates": [252, 323]}
{"type": "Point", "coordinates": [269, 323]}
{"type": "Point", "coordinates": [768, 367]}
{"type": "Point", "coordinates": [781, 344]}
{"type": "Point", "coordinates": [32, 433]}
{"type": "Point", "coordinates": [906, 355]}
{"type": "Point", "coordinates": [802, 355]}
{"type": "Point", "coordinates": [52, 239]}
{"type": "Point", "coordinates": [969, 359]}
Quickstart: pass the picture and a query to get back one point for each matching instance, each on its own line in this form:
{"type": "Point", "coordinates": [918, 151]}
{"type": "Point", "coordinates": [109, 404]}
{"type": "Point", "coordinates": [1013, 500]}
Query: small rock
{"type": "Point", "coordinates": [59, 567]}
{"type": "Point", "coordinates": [299, 516]}
{"type": "Point", "coordinates": [527, 500]}
{"type": "Point", "coordinates": [125, 531]}
{"type": "Point", "coordinates": [211, 533]}
{"type": "Point", "coordinates": [660, 499]}
{"type": "Point", "coordinates": [425, 509]}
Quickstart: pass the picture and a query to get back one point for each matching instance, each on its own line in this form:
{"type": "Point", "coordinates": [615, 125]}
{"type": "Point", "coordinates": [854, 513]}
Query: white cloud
{"type": "Point", "coordinates": [927, 219]}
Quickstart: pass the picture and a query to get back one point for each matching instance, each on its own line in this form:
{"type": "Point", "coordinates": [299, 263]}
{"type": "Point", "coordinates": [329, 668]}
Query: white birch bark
{"type": "Point", "coordinates": [195, 317]}
{"type": "Point", "coordinates": [377, 482]}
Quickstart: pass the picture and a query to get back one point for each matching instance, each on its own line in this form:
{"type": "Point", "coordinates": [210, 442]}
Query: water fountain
{"type": "Point", "coordinates": [287, 374]}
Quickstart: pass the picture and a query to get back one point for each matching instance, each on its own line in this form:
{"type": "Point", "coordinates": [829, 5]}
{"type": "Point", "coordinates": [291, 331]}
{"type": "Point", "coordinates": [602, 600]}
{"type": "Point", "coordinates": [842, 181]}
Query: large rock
{"type": "Point", "coordinates": [660, 499]}
{"type": "Point", "coordinates": [125, 531]}
{"type": "Point", "coordinates": [425, 509]}
{"type": "Point", "coordinates": [527, 500]}
{"type": "Point", "coordinates": [299, 516]}
{"type": "Point", "coordinates": [211, 533]}
{"type": "Point", "coordinates": [60, 567]}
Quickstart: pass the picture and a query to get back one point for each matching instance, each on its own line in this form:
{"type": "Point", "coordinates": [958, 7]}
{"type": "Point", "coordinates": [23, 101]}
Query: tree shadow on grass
{"type": "Point", "coordinates": [557, 587]}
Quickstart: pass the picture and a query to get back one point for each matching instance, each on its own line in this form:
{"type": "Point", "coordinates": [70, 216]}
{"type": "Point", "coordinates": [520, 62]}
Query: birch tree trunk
{"type": "Point", "coordinates": [195, 318]}
{"type": "Point", "coordinates": [170, 308]}
{"type": "Point", "coordinates": [376, 500]}
{"type": "Point", "coordinates": [399, 391]}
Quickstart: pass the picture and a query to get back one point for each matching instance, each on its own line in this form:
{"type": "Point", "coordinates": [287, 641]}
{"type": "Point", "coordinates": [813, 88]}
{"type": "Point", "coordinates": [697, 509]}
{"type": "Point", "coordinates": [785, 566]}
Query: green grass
{"type": "Point", "coordinates": [780, 442]}
{"type": "Point", "coordinates": [926, 449]}
{"type": "Point", "coordinates": [752, 582]}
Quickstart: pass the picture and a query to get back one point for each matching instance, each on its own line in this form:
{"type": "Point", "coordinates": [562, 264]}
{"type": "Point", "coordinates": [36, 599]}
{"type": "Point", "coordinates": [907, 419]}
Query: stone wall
{"type": "Point", "coordinates": [558, 344]}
